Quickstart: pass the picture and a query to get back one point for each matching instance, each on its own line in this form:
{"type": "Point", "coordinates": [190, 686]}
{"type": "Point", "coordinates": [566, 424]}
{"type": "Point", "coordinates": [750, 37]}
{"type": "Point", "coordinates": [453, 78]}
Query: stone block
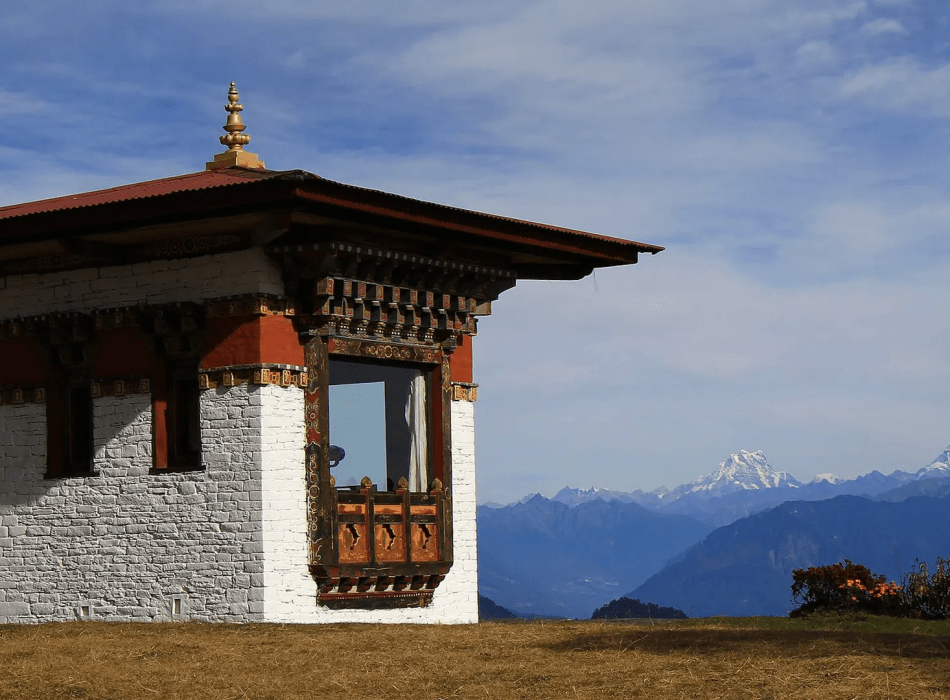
{"type": "Point", "coordinates": [19, 609]}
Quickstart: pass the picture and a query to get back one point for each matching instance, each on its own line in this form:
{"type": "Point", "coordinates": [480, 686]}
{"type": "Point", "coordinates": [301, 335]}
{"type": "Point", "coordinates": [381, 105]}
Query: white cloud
{"type": "Point", "coordinates": [20, 103]}
{"type": "Point", "coordinates": [902, 84]}
{"type": "Point", "coordinates": [296, 60]}
{"type": "Point", "coordinates": [817, 53]}
{"type": "Point", "coordinates": [881, 26]}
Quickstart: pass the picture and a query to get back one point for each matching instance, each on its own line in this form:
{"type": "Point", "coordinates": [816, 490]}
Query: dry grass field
{"type": "Point", "coordinates": [714, 658]}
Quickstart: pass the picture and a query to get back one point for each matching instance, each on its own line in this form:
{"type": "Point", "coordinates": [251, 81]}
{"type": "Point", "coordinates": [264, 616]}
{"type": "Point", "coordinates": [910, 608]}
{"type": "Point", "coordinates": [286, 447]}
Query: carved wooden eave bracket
{"type": "Point", "coordinates": [356, 291]}
{"type": "Point", "coordinates": [179, 329]}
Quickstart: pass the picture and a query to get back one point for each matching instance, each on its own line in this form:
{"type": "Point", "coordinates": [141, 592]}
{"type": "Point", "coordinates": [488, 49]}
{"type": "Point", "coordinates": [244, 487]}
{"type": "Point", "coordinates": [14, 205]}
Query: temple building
{"type": "Point", "coordinates": [246, 394]}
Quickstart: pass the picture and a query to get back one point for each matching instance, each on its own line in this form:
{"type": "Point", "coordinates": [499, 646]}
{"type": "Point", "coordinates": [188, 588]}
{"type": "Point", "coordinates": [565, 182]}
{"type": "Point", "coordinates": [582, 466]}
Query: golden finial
{"type": "Point", "coordinates": [235, 140]}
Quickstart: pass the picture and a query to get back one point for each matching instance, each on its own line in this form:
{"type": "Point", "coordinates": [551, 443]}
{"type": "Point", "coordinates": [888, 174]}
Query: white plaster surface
{"type": "Point", "coordinates": [158, 282]}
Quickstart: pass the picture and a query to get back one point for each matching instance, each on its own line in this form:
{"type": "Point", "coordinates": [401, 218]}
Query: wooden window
{"type": "Point", "coordinates": [385, 541]}
{"type": "Point", "coordinates": [177, 416]}
{"type": "Point", "coordinates": [79, 427]}
{"type": "Point", "coordinates": [184, 407]}
{"type": "Point", "coordinates": [70, 429]}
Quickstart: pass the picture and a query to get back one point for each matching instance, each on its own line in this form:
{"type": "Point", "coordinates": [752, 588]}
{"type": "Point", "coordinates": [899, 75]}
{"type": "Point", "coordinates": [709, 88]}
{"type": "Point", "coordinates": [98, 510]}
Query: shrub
{"type": "Point", "coordinates": [845, 587]}
{"type": "Point", "coordinates": [626, 608]}
{"type": "Point", "coordinates": [929, 594]}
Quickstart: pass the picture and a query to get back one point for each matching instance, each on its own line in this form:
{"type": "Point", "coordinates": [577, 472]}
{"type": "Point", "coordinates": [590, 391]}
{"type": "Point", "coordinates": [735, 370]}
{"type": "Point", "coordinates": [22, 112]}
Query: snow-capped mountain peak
{"type": "Point", "coordinates": [939, 468]}
{"type": "Point", "coordinates": [740, 472]}
{"type": "Point", "coordinates": [830, 478]}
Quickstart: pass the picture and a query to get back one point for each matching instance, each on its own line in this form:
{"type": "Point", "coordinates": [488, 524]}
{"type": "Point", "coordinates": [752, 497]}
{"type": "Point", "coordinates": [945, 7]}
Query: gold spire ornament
{"type": "Point", "coordinates": [235, 139]}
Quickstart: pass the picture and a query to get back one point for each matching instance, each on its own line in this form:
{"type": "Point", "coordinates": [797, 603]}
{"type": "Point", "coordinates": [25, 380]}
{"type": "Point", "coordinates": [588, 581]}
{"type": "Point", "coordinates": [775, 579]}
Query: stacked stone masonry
{"type": "Point", "coordinates": [226, 543]}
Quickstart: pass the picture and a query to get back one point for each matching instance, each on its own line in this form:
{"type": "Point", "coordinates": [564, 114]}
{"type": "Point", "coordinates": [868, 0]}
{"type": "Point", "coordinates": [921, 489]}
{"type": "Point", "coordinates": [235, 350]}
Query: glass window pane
{"type": "Point", "coordinates": [358, 425]}
{"type": "Point", "coordinates": [379, 416]}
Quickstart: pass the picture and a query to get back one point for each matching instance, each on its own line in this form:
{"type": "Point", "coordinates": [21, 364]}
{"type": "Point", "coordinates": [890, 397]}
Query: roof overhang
{"type": "Point", "coordinates": [243, 208]}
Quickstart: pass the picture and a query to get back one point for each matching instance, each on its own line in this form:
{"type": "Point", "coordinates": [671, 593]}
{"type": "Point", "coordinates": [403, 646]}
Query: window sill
{"type": "Point", "coordinates": [177, 469]}
{"type": "Point", "coordinates": [70, 475]}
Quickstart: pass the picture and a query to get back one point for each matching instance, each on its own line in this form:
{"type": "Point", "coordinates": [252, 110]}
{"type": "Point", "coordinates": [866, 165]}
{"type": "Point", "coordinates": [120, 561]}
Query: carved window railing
{"type": "Point", "coordinates": [390, 547]}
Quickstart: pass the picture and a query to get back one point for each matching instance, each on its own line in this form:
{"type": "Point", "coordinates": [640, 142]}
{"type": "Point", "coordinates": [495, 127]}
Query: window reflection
{"type": "Point", "coordinates": [378, 415]}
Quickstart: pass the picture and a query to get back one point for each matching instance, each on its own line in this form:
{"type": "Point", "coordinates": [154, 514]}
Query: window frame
{"type": "Point", "coordinates": [169, 451]}
{"type": "Point", "coordinates": [349, 555]}
{"type": "Point", "coordinates": [70, 426]}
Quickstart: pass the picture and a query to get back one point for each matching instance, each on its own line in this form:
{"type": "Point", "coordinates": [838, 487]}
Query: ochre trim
{"type": "Point", "coordinates": [261, 374]}
{"type": "Point", "coordinates": [119, 387]}
{"type": "Point", "coordinates": [464, 391]}
{"type": "Point", "coordinates": [21, 395]}
{"type": "Point", "coordinates": [256, 305]}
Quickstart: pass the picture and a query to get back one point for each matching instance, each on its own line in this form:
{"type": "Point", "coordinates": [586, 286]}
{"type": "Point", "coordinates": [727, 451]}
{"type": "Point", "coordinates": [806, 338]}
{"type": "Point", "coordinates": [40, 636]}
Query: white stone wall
{"type": "Point", "coordinates": [125, 542]}
{"type": "Point", "coordinates": [158, 282]}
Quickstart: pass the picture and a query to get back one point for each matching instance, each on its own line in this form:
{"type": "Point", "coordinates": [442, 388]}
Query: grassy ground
{"type": "Point", "coordinates": [714, 658]}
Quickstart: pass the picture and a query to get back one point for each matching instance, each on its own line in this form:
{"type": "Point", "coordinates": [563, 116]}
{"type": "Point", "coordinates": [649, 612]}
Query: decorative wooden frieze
{"type": "Point", "coordinates": [379, 262]}
{"type": "Point", "coordinates": [186, 245]}
{"type": "Point", "coordinates": [378, 592]}
{"type": "Point", "coordinates": [464, 391]}
{"type": "Point", "coordinates": [126, 317]}
{"type": "Point", "coordinates": [280, 375]}
{"type": "Point", "coordinates": [383, 351]}
{"type": "Point", "coordinates": [11, 329]}
{"type": "Point", "coordinates": [169, 248]}
{"type": "Point", "coordinates": [16, 396]}
{"type": "Point", "coordinates": [41, 264]}
{"type": "Point", "coordinates": [119, 387]}
{"type": "Point", "coordinates": [250, 306]}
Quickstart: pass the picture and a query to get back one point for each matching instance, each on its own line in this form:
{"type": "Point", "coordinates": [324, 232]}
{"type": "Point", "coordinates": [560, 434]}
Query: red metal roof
{"type": "Point", "coordinates": [138, 190]}
{"type": "Point", "coordinates": [298, 184]}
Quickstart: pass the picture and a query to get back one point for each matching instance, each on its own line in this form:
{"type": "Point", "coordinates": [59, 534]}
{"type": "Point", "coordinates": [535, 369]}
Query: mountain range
{"type": "Point", "coordinates": [544, 558]}
{"type": "Point", "coordinates": [746, 483]}
{"type": "Point", "coordinates": [565, 556]}
{"type": "Point", "coordinates": [745, 568]}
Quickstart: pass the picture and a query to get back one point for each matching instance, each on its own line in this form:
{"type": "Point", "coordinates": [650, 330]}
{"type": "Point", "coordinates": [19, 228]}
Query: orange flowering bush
{"type": "Point", "coordinates": [843, 587]}
{"type": "Point", "coordinates": [849, 587]}
{"type": "Point", "coordinates": [881, 598]}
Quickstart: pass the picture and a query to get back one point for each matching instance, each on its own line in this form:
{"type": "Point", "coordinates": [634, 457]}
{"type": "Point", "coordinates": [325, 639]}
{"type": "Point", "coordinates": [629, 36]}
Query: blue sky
{"type": "Point", "coordinates": [792, 158]}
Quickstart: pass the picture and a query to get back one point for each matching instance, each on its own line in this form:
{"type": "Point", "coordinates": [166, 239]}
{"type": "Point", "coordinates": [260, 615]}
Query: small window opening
{"type": "Point", "coordinates": [379, 417]}
{"type": "Point", "coordinates": [78, 430]}
{"type": "Point", "coordinates": [183, 420]}
{"type": "Point", "coordinates": [177, 605]}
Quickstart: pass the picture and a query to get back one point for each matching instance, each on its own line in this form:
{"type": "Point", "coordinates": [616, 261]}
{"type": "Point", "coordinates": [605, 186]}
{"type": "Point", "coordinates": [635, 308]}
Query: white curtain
{"type": "Point", "coordinates": [418, 446]}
